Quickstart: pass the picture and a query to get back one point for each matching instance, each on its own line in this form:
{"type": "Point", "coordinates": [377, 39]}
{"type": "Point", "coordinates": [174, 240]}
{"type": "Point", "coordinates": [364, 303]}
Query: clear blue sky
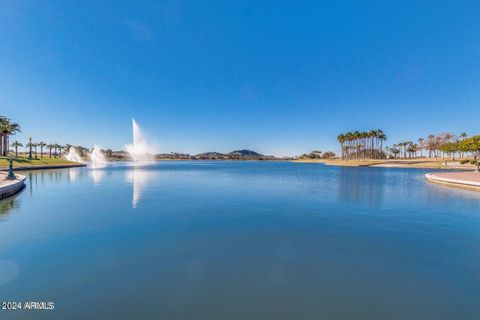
{"type": "Point", "coordinates": [278, 77]}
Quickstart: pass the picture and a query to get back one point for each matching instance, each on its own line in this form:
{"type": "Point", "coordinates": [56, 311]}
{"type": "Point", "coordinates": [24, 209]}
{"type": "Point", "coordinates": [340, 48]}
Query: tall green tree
{"type": "Point", "coordinates": [420, 146]}
{"type": "Point", "coordinates": [472, 145]}
{"type": "Point", "coordinates": [50, 147]}
{"type": "Point", "coordinates": [15, 145]}
{"type": "Point", "coordinates": [7, 128]}
{"type": "Point", "coordinates": [30, 145]}
{"type": "Point", "coordinates": [41, 144]}
{"type": "Point", "coordinates": [35, 145]}
{"type": "Point", "coordinates": [362, 145]}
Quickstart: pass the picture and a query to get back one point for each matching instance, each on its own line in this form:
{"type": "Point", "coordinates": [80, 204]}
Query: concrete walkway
{"type": "Point", "coordinates": [10, 187]}
{"type": "Point", "coordinates": [469, 179]}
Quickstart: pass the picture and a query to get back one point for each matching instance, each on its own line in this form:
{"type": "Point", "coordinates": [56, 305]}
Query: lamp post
{"type": "Point", "coordinates": [11, 174]}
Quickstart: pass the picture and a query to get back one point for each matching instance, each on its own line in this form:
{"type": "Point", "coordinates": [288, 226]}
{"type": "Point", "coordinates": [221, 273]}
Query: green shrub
{"type": "Point", "coordinates": [473, 162]}
{"type": "Point", "coordinates": [464, 161]}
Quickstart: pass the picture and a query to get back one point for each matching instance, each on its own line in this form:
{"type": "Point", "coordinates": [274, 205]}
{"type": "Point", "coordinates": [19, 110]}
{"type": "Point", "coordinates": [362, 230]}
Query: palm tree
{"type": "Point", "coordinates": [55, 147]}
{"type": "Point", "coordinates": [41, 144]}
{"type": "Point", "coordinates": [341, 140]}
{"type": "Point", "coordinates": [29, 145]}
{"type": "Point", "coordinates": [50, 147]}
{"type": "Point", "coordinates": [7, 128]}
{"type": "Point", "coordinates": [430, 144]}
{"type": "Point", "coordinates": [35, 145]}
{"type": "Point", "coordinates": [16, 144]}
{"type": "Point", "coordinates": [362, 145]}
{"type": "Point", "coordinates": [462, 136]}
{"type": "Point", "coordinates": [420, 146]}
{"type": "Point", "coordinates": [381, 137]}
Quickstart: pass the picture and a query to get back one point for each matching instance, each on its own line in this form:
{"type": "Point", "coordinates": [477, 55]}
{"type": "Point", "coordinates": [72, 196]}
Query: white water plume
{"type": "Point", "coordinates": [97, 156]}
{"type": "Point", "coordinates": [139, 150]}
{"type": "Point", "coordinates": [73, 155]}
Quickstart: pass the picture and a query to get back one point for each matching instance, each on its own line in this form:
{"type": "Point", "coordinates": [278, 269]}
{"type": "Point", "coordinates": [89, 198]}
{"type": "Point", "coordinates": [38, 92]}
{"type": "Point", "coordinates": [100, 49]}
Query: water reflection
{"type": "Point", "coordinates": [72, 175]}
{"type": "Point", "coordinates": [361, 185]}
{"type": "Point", "coordinates": [9, 204]}
{"type": "Point", "coordinates": [139, 179]}
{"type": "Point", "coordinates": [97, 175]}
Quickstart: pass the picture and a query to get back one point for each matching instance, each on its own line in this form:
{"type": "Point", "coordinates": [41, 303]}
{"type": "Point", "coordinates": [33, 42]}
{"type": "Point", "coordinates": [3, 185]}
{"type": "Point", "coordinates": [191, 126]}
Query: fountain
{"type": "Point", "coordinates": [139, 149]}
{"type": "Point", "coordinates": [97, 156]}
{"type": "Point", "coordinates": [74, 155]}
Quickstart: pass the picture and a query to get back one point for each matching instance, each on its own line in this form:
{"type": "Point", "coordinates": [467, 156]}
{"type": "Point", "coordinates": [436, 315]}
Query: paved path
{"type": "Point", "coordinates": [465, 179]}
{"type": "Point", "coordinates": [10, 187]}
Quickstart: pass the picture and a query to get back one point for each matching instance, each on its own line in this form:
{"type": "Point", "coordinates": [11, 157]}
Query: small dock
{"type": "Point", "coordinates": [470, 180]}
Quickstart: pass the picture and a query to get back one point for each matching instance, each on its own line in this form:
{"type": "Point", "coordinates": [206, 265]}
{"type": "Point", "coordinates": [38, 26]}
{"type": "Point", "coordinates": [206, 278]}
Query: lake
{"type": "Point", "coordinates": [240, 240]}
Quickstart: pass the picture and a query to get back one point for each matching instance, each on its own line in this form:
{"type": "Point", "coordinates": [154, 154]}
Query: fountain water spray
{"type": "Point", "coordinates": [97, 156]}
{"type": "Point", "coordinates": [74, 155]}
{"type": "Point", "coordinates": [139, 150]}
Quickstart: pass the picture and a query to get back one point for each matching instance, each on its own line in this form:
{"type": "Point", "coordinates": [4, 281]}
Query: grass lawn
{"type": "Point", "coordinates": [19, 162]}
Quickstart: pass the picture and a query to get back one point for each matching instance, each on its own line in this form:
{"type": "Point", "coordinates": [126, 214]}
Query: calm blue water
{"type": "Point", "coordinates": [240, 240]}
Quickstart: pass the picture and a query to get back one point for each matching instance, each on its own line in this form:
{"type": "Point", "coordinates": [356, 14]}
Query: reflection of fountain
{"type": "Point", "coordinates": [73, 155]}
{"type": "Point", "coordinates": [97, 156]}
{"type": "Point", "coordinates": [97, 175]}
{"type": "Point", "coordinates": [72, 174]}
{"type": "Point", "coordinates": [139, 149]}
{"type": "Point", "coordinates": [139, 179]}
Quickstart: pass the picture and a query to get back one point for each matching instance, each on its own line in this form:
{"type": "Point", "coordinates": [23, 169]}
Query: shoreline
{"type": "Point", "coordinates": [393, 163]}
{"type": "Point", "coordinates": [46, 166]}
{"type": "Point", "coordinates": [9, 188]}
{"type": "Point", "coordinates": [465, 180]}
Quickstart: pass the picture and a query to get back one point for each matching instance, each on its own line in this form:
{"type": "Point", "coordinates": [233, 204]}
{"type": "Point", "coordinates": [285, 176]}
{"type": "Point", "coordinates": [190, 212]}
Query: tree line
{"type": "Point", "coordinates": [433, 146]}
{"type": "Point", "coordinates": [317, 154]}
{"type": "Point", "coordinates": [7, 128]}
{"type": "Point", "coordinates": [32, 149]}
{"type": "Point", "coordinates": [369, 145]}
{"type": "Point", "coordinates": [362, 145]}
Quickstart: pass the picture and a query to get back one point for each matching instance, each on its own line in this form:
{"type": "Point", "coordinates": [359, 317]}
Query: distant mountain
{"type": "Point", "coordinates": [209, 155]}
{"type": "Point", "coordinates": [245, 153]}
{"type": "Point", "coordinates": [212, 155]}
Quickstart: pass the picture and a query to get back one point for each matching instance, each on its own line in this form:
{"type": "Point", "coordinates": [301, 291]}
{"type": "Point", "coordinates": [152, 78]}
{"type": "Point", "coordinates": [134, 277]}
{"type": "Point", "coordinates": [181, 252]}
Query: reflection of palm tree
{"type": "Point", "coordinates": [41, 144]}
{"type": "Point", "coordinates": [16, 144]}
